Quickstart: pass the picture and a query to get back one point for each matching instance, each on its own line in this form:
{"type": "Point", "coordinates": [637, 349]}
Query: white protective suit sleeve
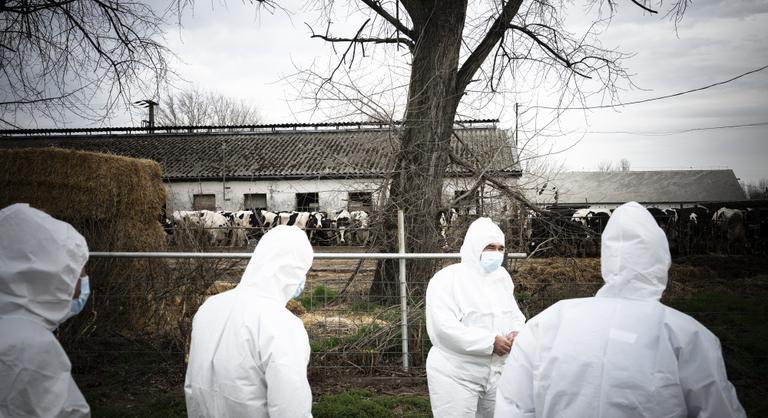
{"type": "Point", "coordinates": [707, 391]}
{"type": "Point", "coordinates": [288, 391]}
{"type": "Point", "coordinates": [514, 396]}
{"type": "Point", "coordinates": [447, 330]}
{"type": "Point", "coordinates": [40, 261]}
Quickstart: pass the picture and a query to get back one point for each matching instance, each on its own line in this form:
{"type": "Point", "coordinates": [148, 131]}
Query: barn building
{"type": "Point", "coordinates": [663, 188]}
{"type": "Point", "coordinates": [286, 167]}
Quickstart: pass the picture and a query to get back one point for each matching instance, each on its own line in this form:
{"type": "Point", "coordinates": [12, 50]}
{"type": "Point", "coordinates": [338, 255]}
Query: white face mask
{"type": "Point", "coordinates": [299, 289]}
{"type": "Point", "coordinates": [79, 303]}
{"type": "Point", "coordinates": [491, 260]}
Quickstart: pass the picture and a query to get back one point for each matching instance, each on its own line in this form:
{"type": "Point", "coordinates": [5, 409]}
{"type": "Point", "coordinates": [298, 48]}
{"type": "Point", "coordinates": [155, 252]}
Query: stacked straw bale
{"type": "Point", "coordinates": [122, 195]}
{"type": "Point", "coordinates": [115, 202]}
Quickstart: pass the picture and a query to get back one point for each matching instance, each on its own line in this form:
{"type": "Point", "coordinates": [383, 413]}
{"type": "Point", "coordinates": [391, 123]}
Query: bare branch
{"type": "Point", "coordinates": [509, 191]}
{"type": "Point", "coordinates": [376, 7]}
{"type": "Point", "coordinates": [563, 59]}
{"type": "Point", "coordinates": [494, 34]}
{"type": "Point", "coordinates": [406, 42]}
{"type": "Point", "coordinates": [644, 7]}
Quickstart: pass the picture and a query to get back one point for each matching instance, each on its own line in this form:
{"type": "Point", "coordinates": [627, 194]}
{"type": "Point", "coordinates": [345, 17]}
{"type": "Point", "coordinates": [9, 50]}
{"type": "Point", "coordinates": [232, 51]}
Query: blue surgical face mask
{"type": "Point", "coordinates": [299, 289]}
{"type": "Point", "coordinates": [79, 303]}
{"type": "Point", "coordinates": [491, 260]}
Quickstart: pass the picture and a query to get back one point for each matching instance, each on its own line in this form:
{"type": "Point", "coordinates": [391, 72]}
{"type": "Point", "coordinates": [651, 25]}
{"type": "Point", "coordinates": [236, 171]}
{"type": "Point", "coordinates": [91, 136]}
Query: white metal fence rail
{"type": "Point", "coordinates": [401, 255]}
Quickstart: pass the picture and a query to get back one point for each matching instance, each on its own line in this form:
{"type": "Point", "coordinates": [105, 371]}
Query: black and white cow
{"type": "Point", "coordinates": [693, 227]}
{"type": "Point", "coordinates": [343, 221]}
{"type": "Point", "coordinates": [240, 222]}
{"type": "Point", "coordinates": [445, 218]}
{"type": "Point", "coordinates": [261, 221]}
{"type": "Point", "coordinates": [359, 222]}
{"type": "Point", "coordinates": [728, 225]}
{"type": "Point", "coordinates": [318, 228]}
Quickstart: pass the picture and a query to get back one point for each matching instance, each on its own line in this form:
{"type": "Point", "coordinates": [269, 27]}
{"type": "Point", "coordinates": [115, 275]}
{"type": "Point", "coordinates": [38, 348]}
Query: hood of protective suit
{"type": "Point", "coordinates": [279, 264]}
{"type": "Point", "coordinates": [480, 233]}
{"type": "Point", "coordinates": [40, 261]}
{"type": "Point", "coordinates": [635, 257]}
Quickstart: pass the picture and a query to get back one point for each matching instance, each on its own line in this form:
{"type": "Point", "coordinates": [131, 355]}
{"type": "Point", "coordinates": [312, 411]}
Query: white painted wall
{"type": "Point", "coordinates": [281, 194]}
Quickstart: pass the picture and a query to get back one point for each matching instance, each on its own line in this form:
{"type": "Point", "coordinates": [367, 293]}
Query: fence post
{"type": "Point", "coordinates": [403, 287]}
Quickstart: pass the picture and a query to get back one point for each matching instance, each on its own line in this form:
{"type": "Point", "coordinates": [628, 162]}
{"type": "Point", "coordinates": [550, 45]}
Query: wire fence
{"type": "Point", "coordinates": [352, 331]}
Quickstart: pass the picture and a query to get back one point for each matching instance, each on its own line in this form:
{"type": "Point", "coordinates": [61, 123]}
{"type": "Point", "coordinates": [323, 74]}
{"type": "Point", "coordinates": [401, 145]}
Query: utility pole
{"type": "Point", "coordinates": [517, 105]}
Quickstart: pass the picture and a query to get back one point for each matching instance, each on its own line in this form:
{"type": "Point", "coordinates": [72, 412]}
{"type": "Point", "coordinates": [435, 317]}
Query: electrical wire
{"type": "Point", "coordinates": [653, 99]}
{"type": "Point", "coordinates": [682, 131]}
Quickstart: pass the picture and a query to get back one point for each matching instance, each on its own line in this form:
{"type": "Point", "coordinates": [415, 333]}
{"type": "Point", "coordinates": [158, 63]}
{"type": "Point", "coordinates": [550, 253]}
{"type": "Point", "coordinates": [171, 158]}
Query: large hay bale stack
{"type": "Point", "coordinates": [115, 202]}
{"type": "Point", "coordinates": [80, 187]}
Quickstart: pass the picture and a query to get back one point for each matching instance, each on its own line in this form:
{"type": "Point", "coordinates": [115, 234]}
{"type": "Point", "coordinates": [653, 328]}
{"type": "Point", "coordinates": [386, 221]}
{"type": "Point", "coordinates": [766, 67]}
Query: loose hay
{"type": "Point", "coordinates": [319, 324]}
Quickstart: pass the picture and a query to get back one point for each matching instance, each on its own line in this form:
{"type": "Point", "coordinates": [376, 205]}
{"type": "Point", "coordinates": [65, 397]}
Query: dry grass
{"type": "Point", "coordinates": [115, 202]}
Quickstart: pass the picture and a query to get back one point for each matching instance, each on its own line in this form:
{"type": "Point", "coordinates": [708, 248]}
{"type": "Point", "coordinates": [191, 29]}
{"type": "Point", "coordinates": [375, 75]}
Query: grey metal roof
{"type": "Point", "coordinates": [580, 188]}
{"type": "Point", "coordinates": [286, 154]}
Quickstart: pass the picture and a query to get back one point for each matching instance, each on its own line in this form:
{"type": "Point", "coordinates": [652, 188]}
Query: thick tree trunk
{"type": "Point", "coordinates": [416, 186]}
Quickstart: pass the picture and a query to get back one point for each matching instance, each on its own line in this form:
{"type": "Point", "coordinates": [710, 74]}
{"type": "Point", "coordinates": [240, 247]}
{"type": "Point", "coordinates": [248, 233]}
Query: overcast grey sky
{"type": "Point", "coordinates": [231, 49]}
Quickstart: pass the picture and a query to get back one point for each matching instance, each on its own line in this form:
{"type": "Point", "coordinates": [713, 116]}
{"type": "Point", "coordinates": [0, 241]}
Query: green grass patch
{"type": "Point", "coordinates": [363, 404]}
{"type": "Point", "coordinates": [363, 306]}
{"type": "Point", "coordinates": [741, 324]}
{"type": "Point", "coordinates": [321, 345]}
{"type": "Point", "coordinates": [318, 297]}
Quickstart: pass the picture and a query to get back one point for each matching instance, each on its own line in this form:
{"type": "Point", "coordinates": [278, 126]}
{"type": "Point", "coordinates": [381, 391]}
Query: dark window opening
{"type": "Point", "coordinates": [360, 201]}
{"type": "Point", "coordinates": [204, 202]}
{"type": "Point", "coordinates": [255, 201]}
{"type": "Point", "coordinates": [307, 202]}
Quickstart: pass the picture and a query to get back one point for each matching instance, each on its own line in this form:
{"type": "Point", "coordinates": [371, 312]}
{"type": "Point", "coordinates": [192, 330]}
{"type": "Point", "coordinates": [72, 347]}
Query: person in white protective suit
{"type": "Point", "coordinates": [472, 320]}
{"type": "Point", "coordinates": [621, 353]}
{"type": "Point", "coordinates": [42, 260]}
{"type": "Point", "coordinates": [249, 354]}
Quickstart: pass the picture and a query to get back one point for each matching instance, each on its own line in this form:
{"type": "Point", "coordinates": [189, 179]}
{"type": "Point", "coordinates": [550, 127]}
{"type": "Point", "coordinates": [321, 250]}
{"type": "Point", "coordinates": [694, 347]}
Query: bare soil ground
{"type": "Point", "coordinates": [704, 286]}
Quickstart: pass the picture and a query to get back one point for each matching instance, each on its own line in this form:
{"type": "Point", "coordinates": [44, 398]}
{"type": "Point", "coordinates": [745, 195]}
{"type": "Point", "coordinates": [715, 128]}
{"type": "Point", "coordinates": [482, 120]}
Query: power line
{"type": "Point", "coordinates": [682, 131]}
{"type": "Point", "coordinates": [653, 99]}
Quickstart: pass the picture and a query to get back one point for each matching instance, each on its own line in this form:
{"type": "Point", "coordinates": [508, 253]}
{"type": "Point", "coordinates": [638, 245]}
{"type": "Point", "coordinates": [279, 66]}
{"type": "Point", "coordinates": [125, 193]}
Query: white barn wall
{"type": "Point", "coordinates": [281, 194]}
{"type": "Point", "coordinates": [332, 193]}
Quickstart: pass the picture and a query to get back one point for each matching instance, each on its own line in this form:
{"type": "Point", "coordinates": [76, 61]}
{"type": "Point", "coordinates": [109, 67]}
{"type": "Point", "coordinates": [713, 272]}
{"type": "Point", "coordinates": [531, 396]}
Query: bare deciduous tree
{"type": "Point", "coordinates": [605, 166]}
{"type": "Point", "coordinates": [455, 50]}
{"type": "Point", "coordinates": [82, 56]}
{"type": "Point", "coordinates": [624, 165]}
{"type": "Point", "coordinates": [758, 190]}
{"type": "Point", "coordinates": [199, 107]}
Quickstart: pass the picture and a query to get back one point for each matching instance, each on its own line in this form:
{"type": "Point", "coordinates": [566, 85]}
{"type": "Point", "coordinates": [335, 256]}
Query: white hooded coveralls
{"type": "Point", "coordinates": [466, 309]}
{"type": "Point", "coordinates": [40, 261]}
{"type": "Point", "coordinates": [249, 354]}
{"type": "Point", "coordinates": [621, 353]}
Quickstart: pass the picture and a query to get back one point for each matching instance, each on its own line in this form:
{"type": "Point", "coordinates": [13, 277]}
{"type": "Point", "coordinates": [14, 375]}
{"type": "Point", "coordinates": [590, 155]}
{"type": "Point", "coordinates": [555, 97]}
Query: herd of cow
{"type": "Point", "coordinates": [693, 230]}
{"type": "Point", "coordinates": [556, 231]}
{"type": "Point", "coordinates": [223, 228]}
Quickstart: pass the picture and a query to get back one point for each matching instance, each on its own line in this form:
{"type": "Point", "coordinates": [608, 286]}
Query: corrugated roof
{"type": "Point", "coordinates": [579, 188]}
{"type": "Point", "coordinates": [295, 154]}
